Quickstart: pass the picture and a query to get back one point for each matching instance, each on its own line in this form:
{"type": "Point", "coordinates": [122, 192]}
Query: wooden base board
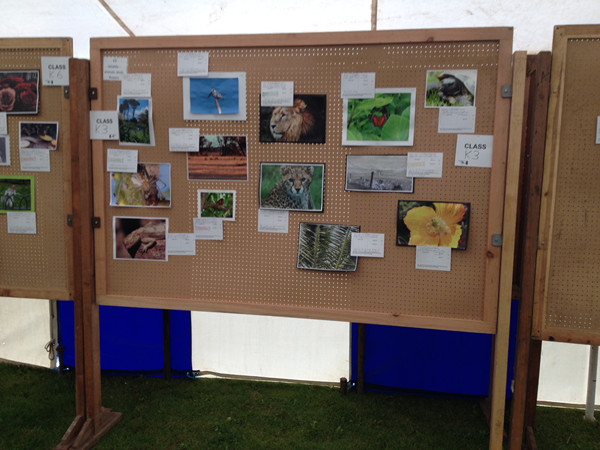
{"type": "Point", "coordinates": [82, 435]}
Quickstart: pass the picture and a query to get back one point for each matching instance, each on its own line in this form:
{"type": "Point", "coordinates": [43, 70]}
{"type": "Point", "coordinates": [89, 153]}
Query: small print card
{"type": "Point", "coordinates": [34, 160]}
{"type": "Point", "coordinates": [182, 244]}
{"type": "Point", "coordinates": [276, 93]}
{"type": "Point", "coordinates": [104, 125]}
{"type": "Point", "coordinates": [273, 221]}
{"type": "Point", "coordinates": [121, 160]}
{"type": "Point", "coordinates": [367, 244]}
{"type": "Point", "coordinates": [19, 222]}
{"type": "Point", "coordinates": [55, 70]}
{"type": "Point", "coordinates": [474, 150]}
{"type": "Point", "coordinates": [184, 140]}
{"type": "Point", "coordinates": [3, 123]}
{"type": "Point", "coordinates": [358, 85]}
{"type": "Point", "coordinates": [208, 228]}
{"type": "Point", "coordinates": [425, 165]}
{"type": "Point", "coordinates": [457, 120]}
{"type": "Point", "coordinates": [113, 68]}
{"type": "Point", "coordinates": [192, 64]}
{"type": "Point", "coordinates": [597, 130]}
{"type": "Point", "coordinates": [433, 258]}
{"type": "Point", "coordinates": [136, 85]}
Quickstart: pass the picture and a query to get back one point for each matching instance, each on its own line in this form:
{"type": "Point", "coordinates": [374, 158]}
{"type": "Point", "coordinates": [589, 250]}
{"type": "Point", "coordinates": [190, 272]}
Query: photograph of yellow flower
{"type": "Point", "coordinates": [435, 224]}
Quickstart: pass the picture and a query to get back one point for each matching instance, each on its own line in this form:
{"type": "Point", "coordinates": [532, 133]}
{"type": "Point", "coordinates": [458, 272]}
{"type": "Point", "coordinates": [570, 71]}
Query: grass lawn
{"type": "Point", "coordinates": [38, 405]}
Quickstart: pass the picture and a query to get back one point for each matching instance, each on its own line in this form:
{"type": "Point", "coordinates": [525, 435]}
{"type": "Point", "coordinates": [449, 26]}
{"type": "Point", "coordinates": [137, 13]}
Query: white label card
{"type": "Point", "coordinates": [273, 221]}
{"type": "Point", "coordinates": [358, 85]}
{"type": "Point", "coordinates": [474, 150]}
{"type": "Point", "coordinates": [457, 120]}
{"type": "Point", "coordinates": [136, 85]}
{"type": "Point", "coordinates": [598, 130]}
{"type": "Point", "coordinates": [121, 160]}
{"type": "Point", "coordinates": [18, 222]}
{"type": "Point", "coordinates": [104, 125]}
{"type": "Point", "coordinates": [183, 244]}
{"type": "Point", "coordinates": [208, 228]}
{"type": "Point", "coordinates": [3, 123]}
{"type": "Point", "coordinates": [192, 64]}
{"type": "Point", "coordinates": [424, 165]}
{"type": "Point", "coordinates": [433, 258]}
{"type": "Point", "coordinates": [367, 244]}
{"type": "Point", "coordinates": [55, 70]}
{"type": "Point", "coordinates": [277, 93]}
{"type": "Point", "coordinates": [113, 68]}
{"type": "Point", "coordinates": [184, 140]}
{"type": "Point", "coordinates": [34, 160]}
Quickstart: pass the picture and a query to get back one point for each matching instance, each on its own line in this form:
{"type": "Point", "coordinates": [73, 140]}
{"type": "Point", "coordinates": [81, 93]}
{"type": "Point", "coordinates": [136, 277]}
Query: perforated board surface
{"type": "Point", "coordinates": [39, 266]}
{"type": "Point", "coordinates": [252, 272]}
{"type": "Point", "coordinates": [568, 281]}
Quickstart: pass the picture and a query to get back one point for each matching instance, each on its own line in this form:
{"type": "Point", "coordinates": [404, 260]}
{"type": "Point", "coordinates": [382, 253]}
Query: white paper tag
{"type": "Point", "coordinates": [277, 93]}
{"type": "Point", "coordinates": [474, 150]}
{"type": "Point", "coordinates": [136, 85]}
{"type": "Point", "coordinates": [55, 70]}
{"type": "Point", "coordinates": [433, 258]}
{"type": "Point", "coordinates": [113, 68]}
{"type": "Point", "coordinates": [273, 221]}
{"type": "Point", "coordinates": [121, 160]}
{"type": "Point", "coordinates": [184, 140]}
{"type": "Point", "coordinates": [358, 85]}
{"type": "Point", "coordinates": [367, 244]}
{"type": "Point", "coordinates": [104, 125]}
{"type": "Point", "coordinates": [18, 222]}
{"type": "Point", "coordinates": [3, 123]}
{"type": "Point", "coordinates": [208, 228]}
{"type": "Point", "coordinates": [183, 244]}
{"type": "Point", "coordinates": [34, 160]}
{"type": "Point", "coordinates": [598, 130]}
{"type": "Point", "coordinates": [457, 120]}
{"type": "Point", "coordinates": [424, 165]}
{"type": "Point", "coordinates": [192, 64]}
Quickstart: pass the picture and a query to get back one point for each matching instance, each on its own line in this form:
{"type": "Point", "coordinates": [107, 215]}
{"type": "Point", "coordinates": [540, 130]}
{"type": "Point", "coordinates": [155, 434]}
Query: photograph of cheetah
{"type": "Point", "coordinates": [291, 186]}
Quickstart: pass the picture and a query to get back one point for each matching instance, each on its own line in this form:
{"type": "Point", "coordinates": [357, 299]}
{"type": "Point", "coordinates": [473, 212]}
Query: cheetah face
{"type": "Point", "coordinates": [296, 179]}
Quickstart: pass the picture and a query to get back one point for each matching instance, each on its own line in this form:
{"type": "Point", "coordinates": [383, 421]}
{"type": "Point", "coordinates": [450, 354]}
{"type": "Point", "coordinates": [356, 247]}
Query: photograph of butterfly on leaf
{"type": "Point", "coordinates": [386, 119]}
{"type": "Point", "coordinates": [218, 204]}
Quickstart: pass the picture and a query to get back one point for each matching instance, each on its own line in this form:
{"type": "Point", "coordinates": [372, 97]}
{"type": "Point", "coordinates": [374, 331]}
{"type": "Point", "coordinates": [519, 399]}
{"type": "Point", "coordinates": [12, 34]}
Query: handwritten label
{"type": "Point", "coordinates": [136, 84]}
{"type": "Point", "coordinates": [113, 68]}
{"type": "Point", "coordinates": [433, 258]}
{"type": "Point", "coordinates": [474, 150]}
{"type": "Point", "coordinates": [184, 140]}
{"type": "Point", "coordinates": [55, 70]}
{"type": "Point", "coordinates": [3, 123]}
{"type": "Point", "coordinates": [358, 85]}
{"type": "Point", "coordinates": [367, 244]}
{"type": "Point", "coordinates": [192, 64]}
{"type": "Point", "coordinates": [19, 222]}
{"type": "Point", "coordinates": [182, 244]}
{"type": "Point", "coordinates": [276, 93]}
{"type": "Point", "coordinates": [424, 165]}
{"type": "Point", "coordinates": [104, 125]}
{"type": "Point", "coordinates": [273, 221]}
{"type": "Point", "coordinates": [121, 160]}
{"type": "Point", "coordinates": [208, 228]}
{"type": "Point", "coordinates": [34, 160]}
{"type": "Point", "coordinates": [457, 120]}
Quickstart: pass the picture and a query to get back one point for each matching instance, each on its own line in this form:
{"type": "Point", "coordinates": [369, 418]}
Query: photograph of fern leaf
{"type": "Point", "coordinates": [326, 247]}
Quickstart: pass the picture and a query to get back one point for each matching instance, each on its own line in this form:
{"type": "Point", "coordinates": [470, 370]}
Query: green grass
{"type": "Point", "coordinates": [37, 406]}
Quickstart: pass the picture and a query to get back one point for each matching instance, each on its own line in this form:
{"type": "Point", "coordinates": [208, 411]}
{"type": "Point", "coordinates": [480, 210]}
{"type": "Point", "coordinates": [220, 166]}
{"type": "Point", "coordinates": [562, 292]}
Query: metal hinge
{"type": "Point", "coordinates": [95, 222]}
{"type": "Point", "coordinates": [93, 93]}
{"type": "Point", "coordinates": [66, 91]}
{"type": "Point", "coordinates": [70, 220]}
{"type": "Point", "coordinates": [506, 91]}
{"type": "Point", "coordinates": [497, 240]}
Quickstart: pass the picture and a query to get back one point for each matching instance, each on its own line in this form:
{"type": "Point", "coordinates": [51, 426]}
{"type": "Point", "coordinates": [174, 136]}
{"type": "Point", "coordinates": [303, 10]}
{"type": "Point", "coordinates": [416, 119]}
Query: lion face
{"type": "Point", "coordinates": [288, 123]}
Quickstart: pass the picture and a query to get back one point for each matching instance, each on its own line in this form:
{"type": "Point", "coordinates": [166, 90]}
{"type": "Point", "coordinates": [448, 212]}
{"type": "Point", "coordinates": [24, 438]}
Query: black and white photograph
{"type": "Point", "coordinates": [378, 173]}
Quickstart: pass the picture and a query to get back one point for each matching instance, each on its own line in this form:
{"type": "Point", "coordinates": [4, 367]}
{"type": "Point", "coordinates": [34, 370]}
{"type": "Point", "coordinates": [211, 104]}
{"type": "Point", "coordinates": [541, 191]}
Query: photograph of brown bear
{"type": "Point", "coordinates": [303, 122]}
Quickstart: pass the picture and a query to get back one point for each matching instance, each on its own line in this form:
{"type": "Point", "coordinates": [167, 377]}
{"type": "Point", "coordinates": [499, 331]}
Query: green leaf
{"type": "Point", "coordinates": [397, 127]}
{"type": "Point", "coordinates": [353, 134]}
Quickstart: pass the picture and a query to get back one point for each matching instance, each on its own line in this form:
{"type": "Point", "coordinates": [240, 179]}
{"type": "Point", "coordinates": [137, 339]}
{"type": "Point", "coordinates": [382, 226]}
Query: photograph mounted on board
{"type": "Point", "coordinates": [377, 173]}
{"type": "Point", "coordinates": [450, 88]}
{"type": "Point", "coordinates": [150, 186]}
{"type": "Point", "coordinates": [218, 96]}
{"type": "Point", "coordinates": [141, 238]}
{"type": "Point", "coordinates": [19, 91]}
{"type": "Point", "coordinates": [17, 193]}
{"type": "Point", "coordinates": [4, 150]}
{"type": "Point", "coordinates": [387, 119]}
{"type": "Point", "coordinates": [437, 224]}
{"type": "Point", "coordinates": [217, 204]}
{"type": "Point", "coordinates": [291, 186]}
{"type": "Point", "coordinates": [219, 158]}
{"type": "Point", "coordinates": [326, 247]}
{"type": "Point", "coordinates": [303, 122]}
{"type": "Point", "coordinates": [135, 120]}
{"type": "Point", "coordinates": [38, 135]}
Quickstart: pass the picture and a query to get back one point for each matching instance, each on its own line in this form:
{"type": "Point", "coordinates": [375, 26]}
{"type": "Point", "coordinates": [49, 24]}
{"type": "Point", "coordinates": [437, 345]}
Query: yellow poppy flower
{"type": "Point", "coordinates": [437, 226]}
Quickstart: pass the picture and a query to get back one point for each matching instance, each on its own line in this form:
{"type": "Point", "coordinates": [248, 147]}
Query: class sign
{"type": "Point", "coordinates": [55, 70]}
{"type": "Point", "coordinates": [474, 150]}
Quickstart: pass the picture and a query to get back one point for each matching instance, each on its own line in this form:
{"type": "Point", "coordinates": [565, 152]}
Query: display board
{"type": "Point", "coordinates": [251, 271]}
{"type": "Point", "coordinates": [36, 265]}
{"type": "Point", "coordinates": [568, 262]}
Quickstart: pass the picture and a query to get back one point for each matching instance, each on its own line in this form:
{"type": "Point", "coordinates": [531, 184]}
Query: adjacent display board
{"type": "Point", "coordinates": [566, 293]}
{"type": "Point", "coordinates": [35, 171]}
{"type": "Point", "coordinates": [252, 271]}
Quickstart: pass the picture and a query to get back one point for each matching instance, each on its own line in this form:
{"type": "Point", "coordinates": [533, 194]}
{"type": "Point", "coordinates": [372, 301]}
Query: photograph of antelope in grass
{"type": "Point", "coordinates": [135, 121]}
{"type": "Point", "coordinates": [326, 247]}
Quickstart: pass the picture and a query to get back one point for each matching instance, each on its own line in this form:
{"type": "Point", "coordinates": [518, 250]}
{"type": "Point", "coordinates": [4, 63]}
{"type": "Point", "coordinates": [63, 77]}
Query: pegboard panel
{"type": "Point", "coordinates": [569, 257]}
{"type": "Point", "coordinates": [252, 272]}
{"type": "Point", "coordinates": [40, 265]}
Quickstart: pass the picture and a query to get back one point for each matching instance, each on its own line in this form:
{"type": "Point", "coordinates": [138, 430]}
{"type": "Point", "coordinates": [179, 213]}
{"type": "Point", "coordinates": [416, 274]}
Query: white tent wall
{"type": "Point", "coordinates": [219, 339]}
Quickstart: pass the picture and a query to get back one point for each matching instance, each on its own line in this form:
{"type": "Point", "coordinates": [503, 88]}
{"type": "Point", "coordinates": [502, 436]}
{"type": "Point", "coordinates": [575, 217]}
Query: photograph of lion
{"type": "Point", "coordinates": [302, 122]}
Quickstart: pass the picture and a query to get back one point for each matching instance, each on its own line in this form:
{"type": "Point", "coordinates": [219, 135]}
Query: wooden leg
{"type": "Point", "coordinates": [360, 359]}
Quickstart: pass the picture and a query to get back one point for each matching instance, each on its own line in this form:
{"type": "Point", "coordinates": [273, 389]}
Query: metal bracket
{"type": "Point", "coordinates": [66, 91]}
{"type": "Point", "coordinates": [497, 240]}
{"type": "Point", "coordinates": [70, 220]}
{"type": "Point", "coordinates": [95, 222]}
{"type": "Point", "coordinates": [93, 94]}
{"type": "Point", "coordinates": [506, 91]}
